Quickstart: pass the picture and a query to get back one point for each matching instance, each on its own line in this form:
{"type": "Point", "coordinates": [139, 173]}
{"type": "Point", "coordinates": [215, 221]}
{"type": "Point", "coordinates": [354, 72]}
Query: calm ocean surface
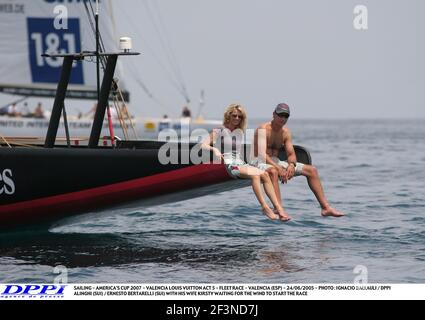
{"type": "Point", "coordinates": [372, 170]}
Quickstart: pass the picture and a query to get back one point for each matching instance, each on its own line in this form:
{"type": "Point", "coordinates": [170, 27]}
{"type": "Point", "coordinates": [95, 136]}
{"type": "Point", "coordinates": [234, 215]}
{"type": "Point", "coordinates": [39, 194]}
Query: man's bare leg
{"type": "Point", "coordinates": [279, 210]}
{"type": "Point", "coordinates": [270, 191]}
{"type": "Point", "coordinates": [331, 212]}
{"type": "Point", "coordinates": [314, 183]}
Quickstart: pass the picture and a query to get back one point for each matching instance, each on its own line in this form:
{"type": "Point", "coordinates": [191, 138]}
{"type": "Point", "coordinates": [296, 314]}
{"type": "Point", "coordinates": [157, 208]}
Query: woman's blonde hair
{"type": "Point", "coordinates": [229, 110]}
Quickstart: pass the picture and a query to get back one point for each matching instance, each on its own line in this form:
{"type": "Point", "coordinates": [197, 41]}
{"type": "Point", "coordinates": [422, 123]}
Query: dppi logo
{"type": "Point", "coordinates": [7, 186]}
{"type": "Point", "coordinates": [14, 290]}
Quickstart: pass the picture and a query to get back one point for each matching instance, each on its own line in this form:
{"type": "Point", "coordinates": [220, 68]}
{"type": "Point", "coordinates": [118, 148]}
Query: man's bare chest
{"type": "Point", "coordinates": [274, 141]}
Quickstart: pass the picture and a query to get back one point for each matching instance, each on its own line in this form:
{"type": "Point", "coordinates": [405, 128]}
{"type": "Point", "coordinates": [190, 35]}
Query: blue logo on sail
{"type": "Point", "coordinates": [44, 38]}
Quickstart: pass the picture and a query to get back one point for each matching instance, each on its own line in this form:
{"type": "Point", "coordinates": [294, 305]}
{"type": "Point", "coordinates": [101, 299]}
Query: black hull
{"type": "Point", "coordinates": [43, 184]}
{"type": "Point", "coordinates": [40, 185]}
{"type": "Point", "coordinates": [46, 184]}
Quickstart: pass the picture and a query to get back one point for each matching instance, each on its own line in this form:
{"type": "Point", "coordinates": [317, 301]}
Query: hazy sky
{"type": "Point", "coordinates": [306, 53]}
{"type": "Point", "coordinates": [258, 53]}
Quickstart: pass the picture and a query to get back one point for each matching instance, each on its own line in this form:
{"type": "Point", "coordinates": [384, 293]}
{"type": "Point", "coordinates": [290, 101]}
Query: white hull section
{"type": "Point", "coordinates": [145, 128]}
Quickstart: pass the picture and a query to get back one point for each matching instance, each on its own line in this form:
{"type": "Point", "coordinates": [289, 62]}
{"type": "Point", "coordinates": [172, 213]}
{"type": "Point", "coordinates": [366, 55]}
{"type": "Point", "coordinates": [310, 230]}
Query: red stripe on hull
{"type": "Point", "coordinates": [77, 202]}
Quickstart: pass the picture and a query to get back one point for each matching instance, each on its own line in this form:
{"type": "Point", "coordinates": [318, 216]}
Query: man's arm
{"type": "Point", "coordinates": [290, 153]}
{"type": "Point", "coordinates": [260, 150]}
{"type": "Point", "coordinates": [289, 147]}
{"type": "Point", "coordinates": [270, 161]}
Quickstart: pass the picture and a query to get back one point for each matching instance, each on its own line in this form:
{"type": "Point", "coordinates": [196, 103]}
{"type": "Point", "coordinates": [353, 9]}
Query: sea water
{"type": "Point", "coordinates": [372, 170]}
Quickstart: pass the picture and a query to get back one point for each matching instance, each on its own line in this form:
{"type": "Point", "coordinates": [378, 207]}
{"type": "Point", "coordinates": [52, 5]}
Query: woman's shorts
{"type": "Point", "coordinates": [264, 166]}
{"type": "Point", "coordinates": [235, 169]}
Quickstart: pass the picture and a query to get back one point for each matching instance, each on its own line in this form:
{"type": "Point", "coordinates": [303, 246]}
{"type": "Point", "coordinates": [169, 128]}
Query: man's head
{"type": "Point", "coordinates": [281, 112]}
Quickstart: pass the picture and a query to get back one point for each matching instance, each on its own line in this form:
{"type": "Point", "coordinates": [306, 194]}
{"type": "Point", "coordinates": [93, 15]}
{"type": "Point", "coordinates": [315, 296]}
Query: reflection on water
{"type": "Point", "coordinates": [278, 262]}
{"type": "Point", "coordinates": [225, 238]}
{"type": "Point", "coordinates": [94, 250]}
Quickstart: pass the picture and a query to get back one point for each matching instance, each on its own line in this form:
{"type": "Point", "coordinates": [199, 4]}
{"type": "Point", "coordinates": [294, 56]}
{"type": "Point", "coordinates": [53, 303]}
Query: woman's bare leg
{"type": "Point", "coordinates": [270, 191]}
{"type": "Point", "coordinates": [257, 176]}
{"type": "Point", "coordinates": [256, 186]}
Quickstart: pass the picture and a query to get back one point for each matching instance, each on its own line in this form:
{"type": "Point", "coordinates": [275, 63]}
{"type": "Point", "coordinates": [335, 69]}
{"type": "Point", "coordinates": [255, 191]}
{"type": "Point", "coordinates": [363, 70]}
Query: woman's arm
{"type": "Point", "coordinates": [207, 144]}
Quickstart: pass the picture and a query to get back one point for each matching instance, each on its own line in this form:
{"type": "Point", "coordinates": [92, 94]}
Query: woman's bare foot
{"type": "Point", "coordinates": [331, 212]}
{"type": "Point", "coordinates": [270, 214]}
{"type": "Point", "coordinates": [283, 216]}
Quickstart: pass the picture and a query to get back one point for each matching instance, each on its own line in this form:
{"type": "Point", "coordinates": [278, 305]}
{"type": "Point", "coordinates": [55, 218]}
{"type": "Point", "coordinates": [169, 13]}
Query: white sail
{"type": "Point", "coordinates": [30, 28]}
{"type": "Point", "coordinates": [33, 27]}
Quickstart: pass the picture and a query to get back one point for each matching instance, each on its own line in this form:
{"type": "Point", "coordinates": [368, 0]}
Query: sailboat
{"type": "Point", "coordinates": [56, 27]}
{"type": "Point", "coordinates": [43, 183]}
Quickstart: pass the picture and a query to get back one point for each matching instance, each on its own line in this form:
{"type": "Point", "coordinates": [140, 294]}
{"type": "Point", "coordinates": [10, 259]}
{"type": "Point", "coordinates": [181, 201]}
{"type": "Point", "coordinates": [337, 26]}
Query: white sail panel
{"type": "Point", "coordinates": [33, 27]}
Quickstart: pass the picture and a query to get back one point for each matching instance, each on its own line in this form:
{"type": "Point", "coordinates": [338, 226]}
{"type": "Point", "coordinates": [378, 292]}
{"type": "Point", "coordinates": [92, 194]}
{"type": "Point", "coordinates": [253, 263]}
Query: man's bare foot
{"type": "Point", "coordinates": [283, 216]}
{"type": "Point", "coordinates": [270, 214]}
{"type": "Point", "coordinates": [331, 212]}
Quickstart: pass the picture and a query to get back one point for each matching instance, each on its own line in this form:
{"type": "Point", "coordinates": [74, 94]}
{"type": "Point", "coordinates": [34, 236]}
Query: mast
{"type": "Point", "coordinates": [97, 51]}
{"type": "Point", "coordinates": [201, 104]}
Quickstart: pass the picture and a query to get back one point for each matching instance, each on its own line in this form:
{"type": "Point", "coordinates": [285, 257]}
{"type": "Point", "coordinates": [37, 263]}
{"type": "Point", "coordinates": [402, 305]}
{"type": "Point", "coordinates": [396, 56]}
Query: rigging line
{"type": "Point", "coordinates": [127, 114]}
{"type": "Point", "coordinates": [102, 46]}
{"type": "Point", "coordinates": [173, 82]}
{"type": "Point", "coordinates": [15, 101]}
{"type": "Point", "coordinates": [4, 139]}
{"type": "Point", "coordinates": [124, 116]}
{"type": "Point", "coordinates": [145, 87]}
{"type": "Point", "coordinates": [103, 63]}
{"type": "Point", "coordinates": [148, 91]}
{"type": "Point", "coordinates": [151, 96]}
{"type": "Point", "coordinates": [120, 68]}
{"type": "Point", "coordinates": [113, 22]}
{"type": "Point", "coordinates": [165, 40]}
{"type": "Point", "coordinates": [101, 43]}
{"type": "Point", "coordinates": [167, 50]}
{"type": "Point", "coordinates": [89, 17]}
{"type": "Point", "coordinates": [85, 43]}
{"type": "Point", "coordinates": [170, 77]}
{"type": "Point", "coordinates": [161, 40]}
{"type": "Point", "coordinates": [120, 117]}
{"type": "Point", "coordinates": [90, 21]}
{"type": "Point", "coordinates": [173, 56]}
